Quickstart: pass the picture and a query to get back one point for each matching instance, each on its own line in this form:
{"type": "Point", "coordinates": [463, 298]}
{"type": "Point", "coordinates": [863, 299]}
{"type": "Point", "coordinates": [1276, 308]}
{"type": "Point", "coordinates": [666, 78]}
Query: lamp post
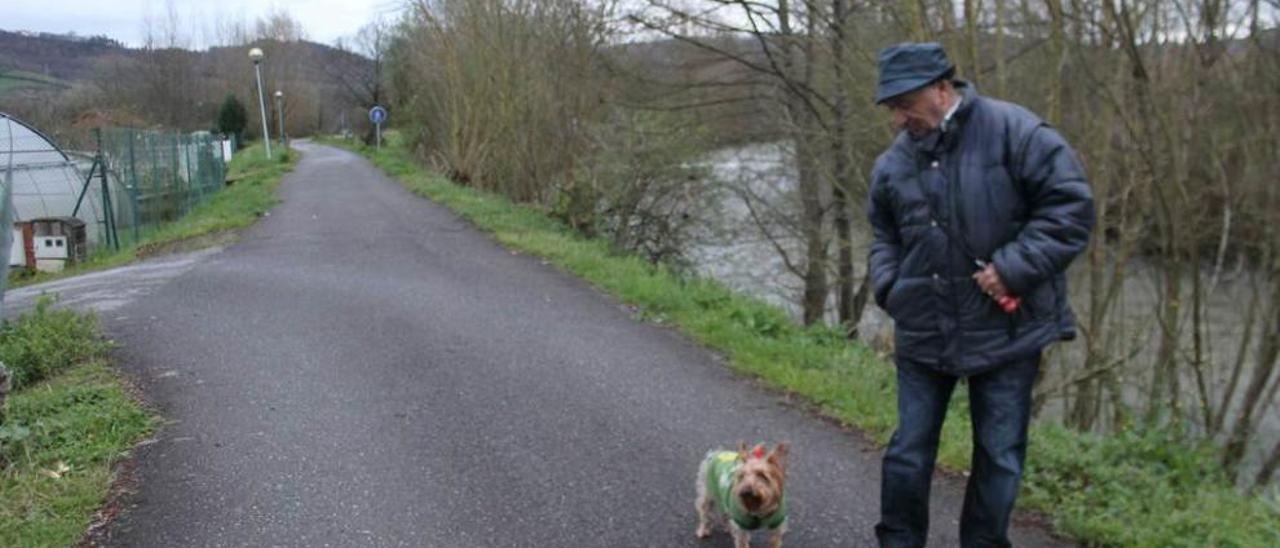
{"type": "Point", "coordinates": [280, 115]}
{"type": "Point", "coordinates": [256, 55]}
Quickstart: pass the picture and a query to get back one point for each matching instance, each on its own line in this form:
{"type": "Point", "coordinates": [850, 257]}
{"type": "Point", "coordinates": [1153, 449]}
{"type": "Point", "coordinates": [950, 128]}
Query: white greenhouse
{"type": "Point", "coordinates": [44, 182]}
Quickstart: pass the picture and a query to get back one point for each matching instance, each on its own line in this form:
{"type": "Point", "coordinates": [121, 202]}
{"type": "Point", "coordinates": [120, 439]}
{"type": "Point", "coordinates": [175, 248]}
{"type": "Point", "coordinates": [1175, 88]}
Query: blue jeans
{"type": "Point", "coordinates": [1000, 407]}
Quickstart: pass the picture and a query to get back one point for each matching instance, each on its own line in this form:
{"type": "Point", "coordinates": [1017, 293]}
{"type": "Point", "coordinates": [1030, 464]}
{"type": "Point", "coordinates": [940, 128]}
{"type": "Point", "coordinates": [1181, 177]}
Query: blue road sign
{"type": "Point", "coordinates": [377, 114]}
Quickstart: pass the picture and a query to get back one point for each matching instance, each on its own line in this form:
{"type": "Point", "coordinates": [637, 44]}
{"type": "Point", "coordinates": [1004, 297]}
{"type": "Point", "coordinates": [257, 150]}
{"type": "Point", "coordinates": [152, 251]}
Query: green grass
{"type": "Point", "coordinates": [46, 341]}
{"type": "Point", "coordinates": [11, 80]}
{"type": "Point", "coordinates": [252, 192]}
{"type": "Point", "coordinates": [68, 423]}
{"type": "Point", "coordinates": [1131, 489]}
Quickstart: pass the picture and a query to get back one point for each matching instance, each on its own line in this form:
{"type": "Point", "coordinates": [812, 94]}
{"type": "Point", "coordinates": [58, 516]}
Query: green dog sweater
{"type": "Point", "coordinates": [720, 470]}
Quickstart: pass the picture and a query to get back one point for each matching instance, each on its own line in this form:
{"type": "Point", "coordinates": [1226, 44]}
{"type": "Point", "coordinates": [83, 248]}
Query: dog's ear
{"type": "Point", "coordinates": [742, 450]}
{"type": "Point", "coordinates": [779, 454]}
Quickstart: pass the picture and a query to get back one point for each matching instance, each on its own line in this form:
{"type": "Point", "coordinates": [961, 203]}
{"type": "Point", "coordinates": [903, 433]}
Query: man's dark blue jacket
{"type": "Point", "coordinates": [1010, 188]}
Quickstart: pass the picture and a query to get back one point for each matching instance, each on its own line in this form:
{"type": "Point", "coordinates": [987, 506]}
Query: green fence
{"type": "Point", "coordinates": [155, 178]}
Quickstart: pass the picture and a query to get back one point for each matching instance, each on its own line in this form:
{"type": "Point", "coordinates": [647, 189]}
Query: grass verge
{"type": "Point", "coordinates": [1134, 488]}
{"type": "Point", "coordinates": [66, 424]}
{"type": "Point", "coordinates": [252, 182]}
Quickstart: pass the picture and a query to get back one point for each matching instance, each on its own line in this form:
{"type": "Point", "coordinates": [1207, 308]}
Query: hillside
{"type": "Point", "coordinates": [64, 57]}
{"type": "Point", "coordinates": [65, 82]}
{"type": "Point", "coordinates": [58, 59]}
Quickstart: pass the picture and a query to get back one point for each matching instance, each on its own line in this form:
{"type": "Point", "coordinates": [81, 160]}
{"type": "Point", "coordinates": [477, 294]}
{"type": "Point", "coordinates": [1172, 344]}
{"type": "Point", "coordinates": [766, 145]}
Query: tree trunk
{"type": "Point", "coordinates": [1268, 468]}
{"type": "Point", "coordinates": [841, 184]}
{"type": "Point", "coordinates": [814, 299]}
{"type": "Point", "coordinates": [1233, 451]}
{"type": "Point", "coordinates": [972, 9]}
{"type": "Point", "coordinates": [919, 20]}
{"type": "Point", "coordinates": [1001, 83]}
{"type": "Point", "coordinates": [1058, 53]}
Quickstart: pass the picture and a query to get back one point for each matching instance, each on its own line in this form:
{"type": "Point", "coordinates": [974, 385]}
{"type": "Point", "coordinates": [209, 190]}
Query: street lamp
{"type": "Point", "coordinates": [255, 54]}
{"type": "Point", "coordinates": [280, 115]}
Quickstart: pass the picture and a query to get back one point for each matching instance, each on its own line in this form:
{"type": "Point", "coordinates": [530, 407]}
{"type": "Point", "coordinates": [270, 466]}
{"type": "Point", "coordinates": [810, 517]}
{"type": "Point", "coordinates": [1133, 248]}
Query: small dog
{"type": "Point", "coordinates": [746, 487]}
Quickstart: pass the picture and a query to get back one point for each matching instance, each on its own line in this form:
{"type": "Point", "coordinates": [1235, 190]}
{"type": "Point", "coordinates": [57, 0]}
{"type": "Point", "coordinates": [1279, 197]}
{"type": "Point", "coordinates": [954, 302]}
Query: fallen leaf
{"type": "Point", "coordinates": [59, 469]}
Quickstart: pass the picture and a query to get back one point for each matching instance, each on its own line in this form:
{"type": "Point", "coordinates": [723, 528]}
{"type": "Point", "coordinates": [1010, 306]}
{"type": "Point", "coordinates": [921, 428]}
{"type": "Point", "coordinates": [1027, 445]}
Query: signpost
{"type": "Point", "coordinates": [378, 115]}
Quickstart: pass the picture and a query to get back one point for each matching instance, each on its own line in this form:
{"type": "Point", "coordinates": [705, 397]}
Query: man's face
{"type": "Point", "coordinates": [922, 110]}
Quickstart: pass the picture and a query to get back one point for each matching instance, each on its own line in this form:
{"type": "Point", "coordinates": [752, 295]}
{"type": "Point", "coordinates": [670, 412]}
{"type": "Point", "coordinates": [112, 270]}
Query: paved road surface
{"type": "Point", "coordinates": [365, 369]}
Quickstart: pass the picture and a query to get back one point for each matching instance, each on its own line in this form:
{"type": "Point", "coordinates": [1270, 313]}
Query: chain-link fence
{"type": "Point", "coordinates": [156, 178]}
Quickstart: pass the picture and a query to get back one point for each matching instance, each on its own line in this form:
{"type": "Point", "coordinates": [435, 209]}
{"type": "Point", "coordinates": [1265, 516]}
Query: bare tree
{"type": "Point", "coordinates": [362, 75]}
{"type": "Point", "coordinates": [279, 26]}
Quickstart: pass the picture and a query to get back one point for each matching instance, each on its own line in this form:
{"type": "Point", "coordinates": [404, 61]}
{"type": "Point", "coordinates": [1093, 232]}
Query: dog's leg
{"type": "Point", "coordinates": [704, 516]}
{"type": "Point", "coordinates": [704, 502]}
{"type": "Point", "coordinates": [775, 541]}
{"type": "Point", "coordinates": [741, 538]}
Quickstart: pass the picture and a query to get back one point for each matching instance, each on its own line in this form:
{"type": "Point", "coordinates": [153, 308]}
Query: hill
{"type": "Point", "coordinates": [63, 82]}
{"type": "Point", "coordinates": [61, 56]}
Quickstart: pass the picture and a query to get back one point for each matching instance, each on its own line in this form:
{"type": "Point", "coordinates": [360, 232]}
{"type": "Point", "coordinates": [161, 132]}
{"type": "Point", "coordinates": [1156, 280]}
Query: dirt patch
{"type": "Point", "coordinates": [212, 239]}
{"type": "Point", "coordinates": [123, 483]}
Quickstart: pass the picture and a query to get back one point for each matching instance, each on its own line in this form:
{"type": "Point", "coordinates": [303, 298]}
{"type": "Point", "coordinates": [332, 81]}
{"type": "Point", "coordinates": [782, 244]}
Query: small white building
{"type": "Point", "coordinates": [48, 244]}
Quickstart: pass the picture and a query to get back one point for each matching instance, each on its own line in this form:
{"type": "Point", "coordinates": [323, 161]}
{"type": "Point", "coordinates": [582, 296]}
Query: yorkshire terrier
{"type": "Point", "coordinates": [745, 487]}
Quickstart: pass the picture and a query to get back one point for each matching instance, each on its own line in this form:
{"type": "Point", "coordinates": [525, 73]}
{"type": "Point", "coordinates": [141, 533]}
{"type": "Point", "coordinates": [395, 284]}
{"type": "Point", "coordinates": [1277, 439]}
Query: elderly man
{"type": "Point", "coordinates": [976, 209]}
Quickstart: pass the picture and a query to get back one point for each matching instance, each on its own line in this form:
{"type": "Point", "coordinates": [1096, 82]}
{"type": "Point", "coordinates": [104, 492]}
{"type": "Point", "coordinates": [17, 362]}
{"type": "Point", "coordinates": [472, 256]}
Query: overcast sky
{"type": "Point", "coordinates": [123, 20]}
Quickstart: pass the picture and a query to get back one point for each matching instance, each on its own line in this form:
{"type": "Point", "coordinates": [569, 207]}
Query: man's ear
{"type": "Point", "coordinates": [945, 88]}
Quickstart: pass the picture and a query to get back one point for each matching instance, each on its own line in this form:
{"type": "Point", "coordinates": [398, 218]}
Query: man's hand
{"type": "Point", "coordinates": [989, 280]}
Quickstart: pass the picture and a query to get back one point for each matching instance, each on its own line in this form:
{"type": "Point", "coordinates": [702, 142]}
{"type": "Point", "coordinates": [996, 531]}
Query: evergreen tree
{"type": "Point", "coordinates": [232, 118]}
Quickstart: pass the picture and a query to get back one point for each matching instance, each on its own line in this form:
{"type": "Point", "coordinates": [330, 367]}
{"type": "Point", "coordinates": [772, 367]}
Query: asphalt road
{"type": "Point", "coordinates": [363, 368]}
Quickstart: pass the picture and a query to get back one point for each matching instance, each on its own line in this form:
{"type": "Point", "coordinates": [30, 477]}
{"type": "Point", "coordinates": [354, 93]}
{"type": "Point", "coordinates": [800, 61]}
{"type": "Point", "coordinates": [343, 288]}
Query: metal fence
{"type": "Point", "coordinates": [152, 179]}
{"type": "Point", "coordinates": [6, 221]}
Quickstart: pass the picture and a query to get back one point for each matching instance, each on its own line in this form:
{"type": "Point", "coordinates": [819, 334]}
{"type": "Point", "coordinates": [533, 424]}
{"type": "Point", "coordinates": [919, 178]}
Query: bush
{"type": "Point", "coordinates": [45, 341]}
{"type": "Point", "coordinates": [232, 118]}
{"type": "Point", "coordinates": [503, 123]}
{"type": "Point", "coordinates": [639, 185]}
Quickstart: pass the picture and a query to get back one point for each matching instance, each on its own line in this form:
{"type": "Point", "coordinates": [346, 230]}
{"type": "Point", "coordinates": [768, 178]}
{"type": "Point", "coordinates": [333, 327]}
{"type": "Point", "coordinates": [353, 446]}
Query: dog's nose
{"type": "Point", "coordinates": [748, 492]}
